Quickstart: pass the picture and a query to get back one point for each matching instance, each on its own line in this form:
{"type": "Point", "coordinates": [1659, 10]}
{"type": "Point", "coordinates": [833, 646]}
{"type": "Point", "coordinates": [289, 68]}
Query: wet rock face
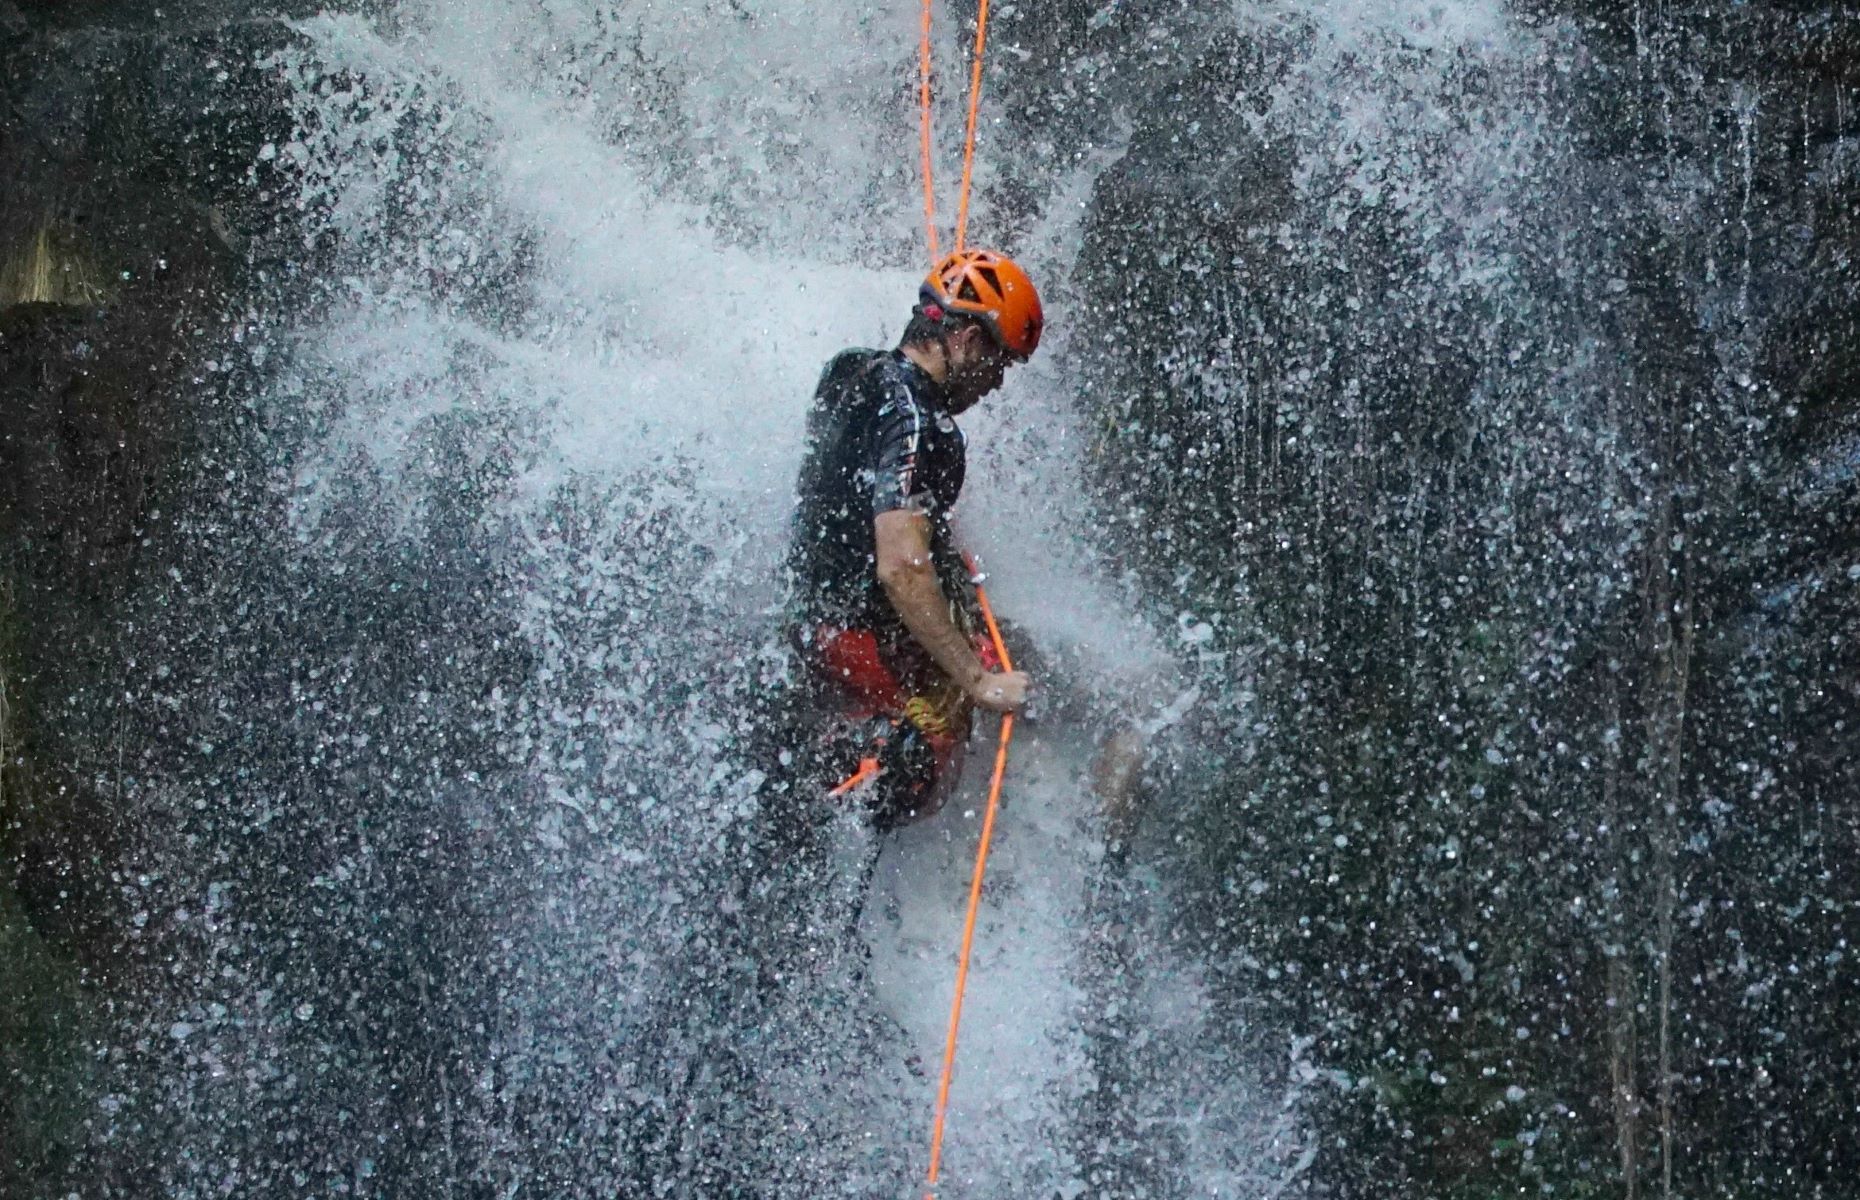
{"type": "Point", "coordinates": [129, 223]}
{"type": "Point", "coordinates": [125, 16]}
{"type": "Point", "coordinates": [126, 234]}
{"type": "Point", "coordinates": [1494, 399]}
{"type": "Point", "coordinates": [85, 434]}
{"type": "Point", "coordinates": [114, 126]}
{"type": "Point", "coordinates": [127, 157]}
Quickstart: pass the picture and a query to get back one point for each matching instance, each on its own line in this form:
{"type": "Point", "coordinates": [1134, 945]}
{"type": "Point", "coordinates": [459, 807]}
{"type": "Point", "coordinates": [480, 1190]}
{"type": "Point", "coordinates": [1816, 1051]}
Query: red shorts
{"type": "Point", "coordinates": [850, 658]}
{"type": "Point", "coordinates": [921, 731]}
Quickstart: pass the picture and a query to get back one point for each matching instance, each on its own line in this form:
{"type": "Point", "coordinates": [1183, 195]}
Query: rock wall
{"type": "Point", "coordinates": [1473, 387]}
{"type": "Point", "coordinates": [128, 224]}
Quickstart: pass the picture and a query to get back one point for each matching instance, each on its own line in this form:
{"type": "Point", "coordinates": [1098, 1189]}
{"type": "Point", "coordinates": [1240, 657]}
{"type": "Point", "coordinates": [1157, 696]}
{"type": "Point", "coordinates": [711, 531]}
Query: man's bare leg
{"type": "Point", "coordinates": [1114, 776]}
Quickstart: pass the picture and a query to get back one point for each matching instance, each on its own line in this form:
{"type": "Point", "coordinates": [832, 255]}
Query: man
{"type": "Point", "coordinates": [887, 621]}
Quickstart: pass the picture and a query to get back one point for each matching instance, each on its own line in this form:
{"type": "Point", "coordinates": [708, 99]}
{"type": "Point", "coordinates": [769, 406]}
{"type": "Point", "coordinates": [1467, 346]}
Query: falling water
{"type": "Point", "coordinates": [457, 831]}
{"type": "Point", "coordinates": [462, 853]}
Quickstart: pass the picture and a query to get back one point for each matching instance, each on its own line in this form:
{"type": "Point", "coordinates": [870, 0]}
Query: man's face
{"type": "Point", "coordinates": [977, 366]}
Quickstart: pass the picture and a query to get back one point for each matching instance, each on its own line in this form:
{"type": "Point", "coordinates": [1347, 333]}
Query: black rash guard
{"type": "Point", "coordinates": [879, 439]}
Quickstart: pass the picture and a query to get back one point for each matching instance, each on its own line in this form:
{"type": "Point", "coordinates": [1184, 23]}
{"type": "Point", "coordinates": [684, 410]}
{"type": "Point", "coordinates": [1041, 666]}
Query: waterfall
{"type": "Point", "coordinates": [463, 848]}
{"type": "Point", "coordinates": [1427, 523]}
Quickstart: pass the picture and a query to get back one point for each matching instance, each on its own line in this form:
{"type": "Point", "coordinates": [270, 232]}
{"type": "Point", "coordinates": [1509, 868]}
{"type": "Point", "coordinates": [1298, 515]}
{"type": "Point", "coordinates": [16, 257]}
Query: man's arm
{"type": "Point", "coordinates": [909, 578]}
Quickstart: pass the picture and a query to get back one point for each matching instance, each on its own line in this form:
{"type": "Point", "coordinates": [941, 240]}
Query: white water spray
{"type": "Point", "coordinates": [638, 397]}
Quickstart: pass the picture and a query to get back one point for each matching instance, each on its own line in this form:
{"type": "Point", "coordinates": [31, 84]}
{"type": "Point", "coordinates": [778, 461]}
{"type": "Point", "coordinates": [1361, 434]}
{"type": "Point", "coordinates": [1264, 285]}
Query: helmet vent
{"type": "Point", "coordinates": [990, 278]}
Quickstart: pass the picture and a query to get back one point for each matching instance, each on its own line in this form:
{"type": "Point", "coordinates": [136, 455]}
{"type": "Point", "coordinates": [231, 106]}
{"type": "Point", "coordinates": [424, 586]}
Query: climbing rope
{"type": "Point", "coordinates": [975, 904]}
{"type": "Point", "coordinates": [988, 615]}
{"type": "Point", "coordinates": [923, 126]}
{"type": "Point", "coordinates": [968, 142]}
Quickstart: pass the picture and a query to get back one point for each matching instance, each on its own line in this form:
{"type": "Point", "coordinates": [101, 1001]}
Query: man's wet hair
{"type": "Point", "coordinates": [931, 322]}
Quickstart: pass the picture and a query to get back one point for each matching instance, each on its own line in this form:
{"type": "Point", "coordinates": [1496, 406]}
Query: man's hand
{"type": "Point", "coordinates": [1000, 691]}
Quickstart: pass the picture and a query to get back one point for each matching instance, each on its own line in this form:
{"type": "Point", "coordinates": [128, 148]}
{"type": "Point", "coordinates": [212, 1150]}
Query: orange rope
{"type": "Point", "coordinates": [975, 903]}
{"type": "Point", "coordinates": [988, 615]}
{"type": "Point", "coordinates": [923, 102]}
{"type": "Point", "coordinates": [968, 145]}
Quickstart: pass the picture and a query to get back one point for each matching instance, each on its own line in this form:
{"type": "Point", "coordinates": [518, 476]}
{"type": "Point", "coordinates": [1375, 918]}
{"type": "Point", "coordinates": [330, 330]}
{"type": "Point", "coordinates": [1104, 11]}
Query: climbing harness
{"type": "Point", "coordinates": [909, 728]}
{"type": "Point", "coordinates": [867, 772]}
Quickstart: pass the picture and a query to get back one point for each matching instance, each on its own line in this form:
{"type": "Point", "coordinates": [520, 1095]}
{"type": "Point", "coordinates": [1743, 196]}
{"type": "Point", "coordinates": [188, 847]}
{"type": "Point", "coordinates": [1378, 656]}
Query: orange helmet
{"type": "Point", "coordinates": [994, 290]}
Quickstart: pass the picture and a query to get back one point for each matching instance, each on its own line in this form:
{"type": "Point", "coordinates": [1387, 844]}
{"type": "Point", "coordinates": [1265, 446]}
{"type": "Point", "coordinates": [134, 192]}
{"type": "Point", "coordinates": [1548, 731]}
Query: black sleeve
{"type": "Point", "coordinates": [897, 442]}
